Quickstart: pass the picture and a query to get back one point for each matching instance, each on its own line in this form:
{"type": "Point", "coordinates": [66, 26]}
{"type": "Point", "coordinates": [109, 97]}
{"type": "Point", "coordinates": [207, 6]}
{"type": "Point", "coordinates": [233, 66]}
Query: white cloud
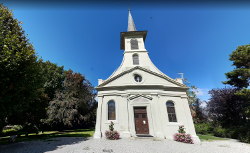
{"type": "Point", "coordinates": [202, 93]}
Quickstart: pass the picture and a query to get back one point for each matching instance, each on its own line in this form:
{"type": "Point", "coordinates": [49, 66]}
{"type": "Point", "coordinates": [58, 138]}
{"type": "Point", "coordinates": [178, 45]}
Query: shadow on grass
{"type": "Point", "coordinates": [48, 141]}
{"type": "Point", "coordinates": [51, 134]}
{"type": "Point", "coordinates": [43, 145]}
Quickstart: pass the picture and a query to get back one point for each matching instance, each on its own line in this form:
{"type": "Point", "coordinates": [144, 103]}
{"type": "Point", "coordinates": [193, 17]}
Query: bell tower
{"type": "Point", "coordinates": [133, 40]}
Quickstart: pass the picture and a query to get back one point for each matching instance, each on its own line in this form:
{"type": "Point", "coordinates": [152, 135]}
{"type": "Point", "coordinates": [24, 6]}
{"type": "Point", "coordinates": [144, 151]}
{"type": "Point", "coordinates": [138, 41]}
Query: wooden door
{"type": "Point", "coordinates": [141, 120]}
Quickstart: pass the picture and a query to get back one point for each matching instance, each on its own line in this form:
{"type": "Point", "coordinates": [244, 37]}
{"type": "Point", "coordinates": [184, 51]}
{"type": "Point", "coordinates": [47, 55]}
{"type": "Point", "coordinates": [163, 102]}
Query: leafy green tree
{"type": "Point", "coordinates": [20, 76]}
{"type": "Point", "coordinates": [245, 94]}
{"type": "Point", "coordinates": [195, 104]}
{"type": "Point", "coordinates": [74, 103]}
{"type": "Point", "coordinates": [53, 77]}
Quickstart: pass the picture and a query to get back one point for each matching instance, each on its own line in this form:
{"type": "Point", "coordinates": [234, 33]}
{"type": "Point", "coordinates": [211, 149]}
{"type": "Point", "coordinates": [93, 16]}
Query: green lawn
{"type": "Point", "coordinates": [51, 134]}
{"type": "Point", "coordinates": [210, 137]}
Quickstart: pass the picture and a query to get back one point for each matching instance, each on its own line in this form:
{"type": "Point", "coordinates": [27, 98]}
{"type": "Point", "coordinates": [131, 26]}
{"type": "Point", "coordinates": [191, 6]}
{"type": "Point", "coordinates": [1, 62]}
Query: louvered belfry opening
{"type": "Point", "coordinates": [135, 59]}
{"type": "Point", "coordinates": [134, 44]}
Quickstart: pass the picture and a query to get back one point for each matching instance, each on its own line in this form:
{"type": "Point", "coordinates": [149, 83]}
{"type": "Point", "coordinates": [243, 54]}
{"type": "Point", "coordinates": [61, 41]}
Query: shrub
{"type": "Point", "coordinates": [245, 137]}
{"type": "Point", "coordinates": [8, 132]}
{"type": "Point", "coordinates": [181, 129]}
{"type": "Point", "coordinates": [29, 128]}
{"type": "Point", "coordinates": [112, 134]}
{"type": "Point", "coordinates": [234, 132]}
{"type": "Point", "coordinates": [182, 137]}
{"type": "Point", "coordinates": [220, 132]}
{"type": "Point", "coordinates": [17, 127]}
{"type": "Point", "coordinates": [111, 126]}
{"type": "Point", "coordinates": [204, 128]}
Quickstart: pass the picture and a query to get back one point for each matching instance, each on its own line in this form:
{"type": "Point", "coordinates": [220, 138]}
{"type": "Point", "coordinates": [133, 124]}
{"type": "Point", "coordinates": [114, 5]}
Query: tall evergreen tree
{"type": "Point", "coordinates": [240, 76]}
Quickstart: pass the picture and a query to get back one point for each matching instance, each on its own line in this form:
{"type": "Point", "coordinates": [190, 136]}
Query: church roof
{"type": "Point", "coordinates": [146, 70]}
{"type": "Point", "coordinates": [131, 24]}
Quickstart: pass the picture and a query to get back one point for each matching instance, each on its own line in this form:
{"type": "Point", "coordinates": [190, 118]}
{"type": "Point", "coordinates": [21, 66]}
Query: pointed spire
{"type": "Point", "coordinates": [131, 24]}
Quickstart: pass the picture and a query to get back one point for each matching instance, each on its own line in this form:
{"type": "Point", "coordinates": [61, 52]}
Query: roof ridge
{"type": "Point", "coordinates": [139, 67]}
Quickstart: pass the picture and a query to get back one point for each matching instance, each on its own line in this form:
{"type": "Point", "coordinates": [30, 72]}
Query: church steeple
{"type": "Point", "coordinates": [131, 24]}
{"type": "Point", "coordinates": [133, 40]}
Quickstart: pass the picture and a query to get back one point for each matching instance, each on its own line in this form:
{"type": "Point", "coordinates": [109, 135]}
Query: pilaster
{"type": "Point", "coordinates": [98, 133]}
{"type": "Point", "coordinates": [159, 118]}
{"type": "Point", "coordinates": [125, 117]}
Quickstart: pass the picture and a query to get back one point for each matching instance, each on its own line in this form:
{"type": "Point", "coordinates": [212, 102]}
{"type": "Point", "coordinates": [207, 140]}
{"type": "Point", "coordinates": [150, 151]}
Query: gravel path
{"type": "Point", "coordinates": [90, 145]}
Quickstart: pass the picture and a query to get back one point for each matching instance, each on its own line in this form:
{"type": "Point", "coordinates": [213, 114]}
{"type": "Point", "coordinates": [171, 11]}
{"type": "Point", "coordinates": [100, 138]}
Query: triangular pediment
{"type": "Point", "coordinates": [139, 96]}
{"type": "Point", "coordinates": [150, 78]}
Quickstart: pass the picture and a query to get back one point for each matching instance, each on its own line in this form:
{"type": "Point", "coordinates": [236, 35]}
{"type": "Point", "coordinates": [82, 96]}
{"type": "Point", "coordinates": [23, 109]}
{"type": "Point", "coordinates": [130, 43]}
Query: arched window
{"type": "Point", "coordinates": [171, 112]}
{"type": "Point", "coordinates": [135, 59]}
{"type": "Point", "coordinates": [111, 110]}
{"type": "Point", "coordinates": [134, 44]}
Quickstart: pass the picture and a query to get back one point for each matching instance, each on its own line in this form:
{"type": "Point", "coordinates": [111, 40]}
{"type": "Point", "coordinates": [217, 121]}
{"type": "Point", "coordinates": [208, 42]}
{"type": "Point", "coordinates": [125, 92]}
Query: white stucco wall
{"type": "Point", "coordinates": [152, 92]}
{"type": "Point", "coordinates": [121, 89]}
{"type": "Point", "coordinates": [159, 125]}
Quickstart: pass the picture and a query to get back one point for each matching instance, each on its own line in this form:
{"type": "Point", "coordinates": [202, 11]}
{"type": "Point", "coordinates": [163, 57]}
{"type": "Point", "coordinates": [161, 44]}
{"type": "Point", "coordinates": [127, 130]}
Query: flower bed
{"type": "Point", "coordinates": [182, 136]}
{"type": "Point", "coordinates": [112, 134]}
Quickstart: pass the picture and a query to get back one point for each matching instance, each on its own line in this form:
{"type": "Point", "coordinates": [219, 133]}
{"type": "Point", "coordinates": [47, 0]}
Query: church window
{"type": "Point", "coordinates": [135, 59]}
{"type": "Point", "coordinates": [171, 112]}
{"type": "Point", "coordinates": [138, 78]}
{"type": "Point", "coordinates": [111, 110]}
{"type": "Point", "coordinates": [134, 44]}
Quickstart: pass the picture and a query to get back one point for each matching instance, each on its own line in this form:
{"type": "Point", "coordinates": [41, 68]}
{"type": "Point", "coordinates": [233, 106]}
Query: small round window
{"type": "Point", "coordinates": [138, 78]}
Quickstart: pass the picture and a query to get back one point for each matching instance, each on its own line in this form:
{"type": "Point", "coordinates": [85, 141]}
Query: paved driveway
{"type": "Point", "coordinates": [90, 145]}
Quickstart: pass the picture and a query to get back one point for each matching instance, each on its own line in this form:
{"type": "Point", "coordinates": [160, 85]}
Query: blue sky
{"type": "Point", "coordinates": [192, 38]}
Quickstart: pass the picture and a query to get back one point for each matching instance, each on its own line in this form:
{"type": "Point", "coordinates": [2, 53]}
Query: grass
{"type": "Point", "coordinates": [209, 137]}
{"type": "Point", "coordinates": [51, 134]}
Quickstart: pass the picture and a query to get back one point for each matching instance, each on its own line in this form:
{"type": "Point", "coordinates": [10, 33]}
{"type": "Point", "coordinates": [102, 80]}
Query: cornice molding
{"type": "Point", "coordinates": [143, 69]}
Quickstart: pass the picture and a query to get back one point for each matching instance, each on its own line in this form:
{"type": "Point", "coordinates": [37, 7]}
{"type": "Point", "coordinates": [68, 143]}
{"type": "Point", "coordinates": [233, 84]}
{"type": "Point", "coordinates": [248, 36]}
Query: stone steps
{"type": "Point", "coordinates": [145, 137]}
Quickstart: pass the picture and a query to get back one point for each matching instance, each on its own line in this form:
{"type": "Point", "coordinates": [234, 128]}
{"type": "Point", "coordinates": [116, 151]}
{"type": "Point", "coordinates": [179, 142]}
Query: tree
{"type": "Point", "coordinates": [191, 97]}
{"type": "Point", "coordinates": [53, 77]}
{"type": "Point", "coordinates": [240, 76]}
{"type": "Point", "coordinates": [225, 106]}
{"type": "Point", "coordinates": [74, 102]}
{"type": "Point", "coordinates": [199, 117]}
{"type": "Point", "coordinates": [194, 102]}
{"type": "Point", "coordinates": [20, 76]}
{"type": "Point", "coordinates": [245, 95]}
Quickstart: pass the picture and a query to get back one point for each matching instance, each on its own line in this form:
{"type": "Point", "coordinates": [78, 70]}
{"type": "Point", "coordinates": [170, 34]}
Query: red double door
{"type": "Point", "coordinates": [141, 120]}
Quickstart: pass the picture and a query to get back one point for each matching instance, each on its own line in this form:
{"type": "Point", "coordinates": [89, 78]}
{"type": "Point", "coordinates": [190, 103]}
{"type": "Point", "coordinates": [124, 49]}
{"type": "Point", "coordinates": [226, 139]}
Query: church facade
{"type": "Point", "coordinates": [138, 98]}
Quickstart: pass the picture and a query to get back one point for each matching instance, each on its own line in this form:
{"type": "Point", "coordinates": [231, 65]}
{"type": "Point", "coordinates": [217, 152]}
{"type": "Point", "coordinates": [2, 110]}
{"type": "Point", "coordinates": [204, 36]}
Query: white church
{"type": "Point", "coordinates": [138, 98]}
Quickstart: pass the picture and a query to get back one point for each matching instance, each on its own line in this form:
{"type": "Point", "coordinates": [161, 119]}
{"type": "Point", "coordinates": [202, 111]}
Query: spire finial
{"type": "Point", "coordinates": [128, 8]}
